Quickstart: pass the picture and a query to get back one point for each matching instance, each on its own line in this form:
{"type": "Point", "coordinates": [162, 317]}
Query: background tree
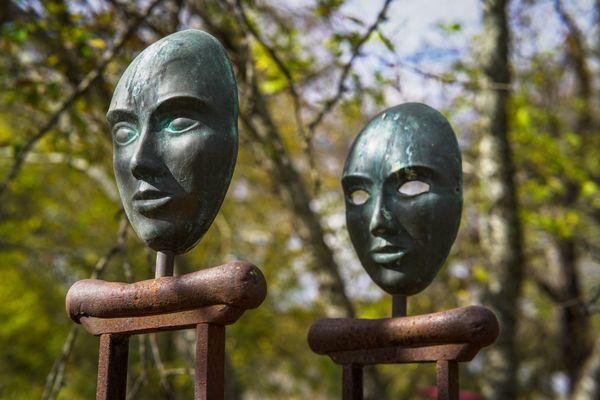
{"type": "Point", "coordinates": [310, 75]}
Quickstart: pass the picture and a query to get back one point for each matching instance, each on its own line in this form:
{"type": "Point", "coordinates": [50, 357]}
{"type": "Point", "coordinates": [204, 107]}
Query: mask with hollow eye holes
{"type": "Point", "coordinates": [403, 191]}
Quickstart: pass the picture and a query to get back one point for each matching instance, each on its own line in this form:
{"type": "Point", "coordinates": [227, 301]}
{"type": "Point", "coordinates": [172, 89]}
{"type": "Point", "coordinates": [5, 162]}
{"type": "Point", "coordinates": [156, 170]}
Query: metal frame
{"type": "Point", "coordinates": [444, 338]}
{"type": "Point", "coordinates": [205, 300]}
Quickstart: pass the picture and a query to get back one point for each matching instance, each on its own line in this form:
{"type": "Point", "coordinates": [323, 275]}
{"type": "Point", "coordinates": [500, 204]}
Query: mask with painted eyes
{"type": "Point", "coordinates": [173, 118]}
{"type": "Point", "coordinates": [403, 188]}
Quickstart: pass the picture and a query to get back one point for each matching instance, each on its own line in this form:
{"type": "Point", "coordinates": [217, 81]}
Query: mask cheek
{"type": "Point", "coordinates": [357, 221]}
{"type": "Point", "coordinates": [418, 217]}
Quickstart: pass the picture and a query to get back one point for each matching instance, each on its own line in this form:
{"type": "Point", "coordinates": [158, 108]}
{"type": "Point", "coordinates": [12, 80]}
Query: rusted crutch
{"type": "Point", "coordinates": [402, 182]}
{"type": "Point", "coordinates": [206, 300]}
{"type": "Point", "coordinates": [445, 338]}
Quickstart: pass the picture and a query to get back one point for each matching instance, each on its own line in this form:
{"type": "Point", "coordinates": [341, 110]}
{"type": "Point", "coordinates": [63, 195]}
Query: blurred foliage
{"type": "Point", "coordinates": [61, 214]}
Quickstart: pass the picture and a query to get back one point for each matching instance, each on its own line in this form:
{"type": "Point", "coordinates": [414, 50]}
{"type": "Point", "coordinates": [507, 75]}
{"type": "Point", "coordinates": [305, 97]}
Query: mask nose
{"type": "Point", "coordinates": [382, 220]}
{"type": "Point", "coordinates": [144, 163]}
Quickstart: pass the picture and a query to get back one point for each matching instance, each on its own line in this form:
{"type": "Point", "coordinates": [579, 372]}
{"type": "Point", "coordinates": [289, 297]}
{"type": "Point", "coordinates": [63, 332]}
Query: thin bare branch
{"type": "Point", "coordinates": [483, 84]}
{"type": "Point", "coordinates": [98, 175]}
{"type": "Point", "coordinates": [341, 85]}
{"type": "Point", "coordinates": [292, 88]}
{"type": "Point", "coordinates": [162, 371]}
{"type": "Point", "coordinates": [54, 380]}
{"type": "Point", "coordinates": [276, 59]}
{"type": "Point", "coordinates": [143, 377]}
{"type": "Point", "coordinates": [81, 88]}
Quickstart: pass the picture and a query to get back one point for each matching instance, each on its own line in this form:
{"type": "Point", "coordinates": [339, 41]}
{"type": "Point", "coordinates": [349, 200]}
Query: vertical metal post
{"type": "Point", "coordinates": [352, 382]}
{"type": "Point", "coordinates": [112, 367]}
{"type": "Point", "coordinates": [210, 362]}
{"type": "Point", "coordinates": [165, 261]}
{"type": "Point", "coordinates": [447, 380]}
{"type": "Point", "coordinates": [398, 306]}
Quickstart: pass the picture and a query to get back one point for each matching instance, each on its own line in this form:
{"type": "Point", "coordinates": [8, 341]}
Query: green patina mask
{"type": "Point", "coordinates": [403, 187]}
{"type": "Point", "coordinates": [173, 118]}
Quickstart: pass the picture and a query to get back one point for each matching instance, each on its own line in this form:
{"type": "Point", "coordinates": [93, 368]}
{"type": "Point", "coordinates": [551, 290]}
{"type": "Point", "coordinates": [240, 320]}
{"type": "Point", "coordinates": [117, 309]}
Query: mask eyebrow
{"type": "Point", "coordinates": [183, 102]}
{"type": "Point", "coordinates": [410, 172]}
{"type": "Point", "coordinates": [118, 115]}
{"type": "Point", "coordinates": [356, 179]}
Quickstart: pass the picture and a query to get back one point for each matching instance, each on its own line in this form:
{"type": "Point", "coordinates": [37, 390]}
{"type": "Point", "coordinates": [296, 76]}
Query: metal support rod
{"type": "Point", "coordinates": [165, 260]}
{"type": "Point", "coordinates": [210, 362]}
{"type": "Point", "coordinates": [447, 380]}
{"type": "Point", "coordinates": [112, 367]}
{"type": "Point", "coordinates": [398, 306]}
{"type": "Point", "coordinates": [352, 382]}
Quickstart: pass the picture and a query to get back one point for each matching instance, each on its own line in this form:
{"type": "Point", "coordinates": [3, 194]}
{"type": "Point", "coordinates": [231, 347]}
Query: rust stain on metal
{"type": "Point", "coordinates": [238, 284]}
{"type": "Point", "coordinates": [112, 367]}
{"type": "Point", "coordinates": [207, 299]}
{"type": "Point", "coordinates": [216, 315]}
{"type": "Point", "coordinates": [406, 355]}
{"type": "Point", "coordinates": [446, 338]}
{"type": "Point", "coordinates": [473, 325]}
{"type": "Point", "coordinates": [210, 362]}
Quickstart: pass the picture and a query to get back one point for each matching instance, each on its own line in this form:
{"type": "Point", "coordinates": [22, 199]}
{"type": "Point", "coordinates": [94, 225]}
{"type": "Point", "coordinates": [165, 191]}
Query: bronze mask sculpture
{"type": "Point", "coordinates": [173, 118]}
{"type": "Point", "coordinates": [402, 183]}
{"type": "Point", "coordinates": [403, 189]}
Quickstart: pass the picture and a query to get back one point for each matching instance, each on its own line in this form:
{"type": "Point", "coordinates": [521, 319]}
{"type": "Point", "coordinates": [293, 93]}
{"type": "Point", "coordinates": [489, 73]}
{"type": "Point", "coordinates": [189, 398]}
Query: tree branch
{"type": "Point", "coordinates": [81, 88]}
{"type": "Point", "coordinates": [341, 88]}
{"type": "Point", "coordinates": [276, 59]}
{"type": "Point", "coordinates": [576, 48]}
{"type": "Point", "coordinates": [484, 84]}
{"type": "Point", "coordinates": [97, 174]}
{"type": "Point", "coordinates": [54, 380]}
{"type": "Point", "coordinates": [143, 377]}
{"type": "Point", "coordinates": [162, 371]}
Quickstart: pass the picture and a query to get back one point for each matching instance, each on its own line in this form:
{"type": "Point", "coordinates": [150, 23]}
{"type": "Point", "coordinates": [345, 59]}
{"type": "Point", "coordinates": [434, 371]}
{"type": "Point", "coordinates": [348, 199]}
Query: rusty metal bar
{"type": "Point", "coordinates": [112, 367]}
{"type": "Point", "coordinates": [406, 355]}
{"type": "Point", "coordinates": [239, 284]}
{"type": "Point", "coordinates": [217, 315]}
{"type": "Point", "coordinates": [206, 300]}
{"type": "Point", "coordinates": [447, 380]}
{"type": "Point", "coordinates": [210, 362]}
{"type": "Point", "coordinates": [469, 325]}
{"type": "Point", "coordinates": [352, 382]}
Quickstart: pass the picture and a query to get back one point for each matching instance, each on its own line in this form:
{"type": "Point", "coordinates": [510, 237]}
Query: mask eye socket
{"type": "Point", "coordinates": [124, 134]}
{"type": "Point", "coordinates": [181, 124]}
{"type": "Point", "coordinates": [413, 188]}
{"type": "Point", "coordinates": [359, 197]}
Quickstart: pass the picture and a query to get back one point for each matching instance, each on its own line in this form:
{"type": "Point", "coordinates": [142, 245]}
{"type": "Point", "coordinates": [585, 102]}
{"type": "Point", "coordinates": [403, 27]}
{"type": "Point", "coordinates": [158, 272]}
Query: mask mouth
{"type": "Point", "coordinates": [149, 194]}
{"type": "Point", "coordinates": [149, 207]}
{"type": "Point", "coordinates": [386, 254]}
{"type": "Point", "coordinates": [148, 200]}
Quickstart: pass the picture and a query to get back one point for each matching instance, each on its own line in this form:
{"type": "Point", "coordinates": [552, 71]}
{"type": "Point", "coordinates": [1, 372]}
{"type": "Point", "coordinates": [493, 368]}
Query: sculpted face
{"type": "Point", "coordinates": [173, 118]}
{"type": "Point", "coordinates": [403, 188]}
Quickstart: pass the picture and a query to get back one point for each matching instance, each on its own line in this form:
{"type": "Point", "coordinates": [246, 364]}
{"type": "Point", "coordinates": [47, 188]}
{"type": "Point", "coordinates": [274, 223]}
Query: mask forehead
{"type": "Point", "coordinates": [403, 136]}
{"type": "Point", "coordinates": [182, 64]}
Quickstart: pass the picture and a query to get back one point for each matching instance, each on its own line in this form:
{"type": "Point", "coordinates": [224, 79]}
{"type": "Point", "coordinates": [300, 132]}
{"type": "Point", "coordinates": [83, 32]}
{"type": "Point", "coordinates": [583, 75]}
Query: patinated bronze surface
{"type": "Point", "coordinates": [173, 118]}
{"type": "Point", "coordinates": [403, 187]}
{"type": "Point", "coordinates": [403, 191]}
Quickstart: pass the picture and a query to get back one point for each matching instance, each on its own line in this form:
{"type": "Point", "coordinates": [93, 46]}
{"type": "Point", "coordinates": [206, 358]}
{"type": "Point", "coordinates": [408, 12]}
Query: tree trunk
{"type": "Point", "coordinates": [588, 386]}
{"type": "Point", "coordinates": [574, 318]}
{"type": "Point", "coordinates": [258, 121]}
{"type": "Point", "coordinates": [500, 227]}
